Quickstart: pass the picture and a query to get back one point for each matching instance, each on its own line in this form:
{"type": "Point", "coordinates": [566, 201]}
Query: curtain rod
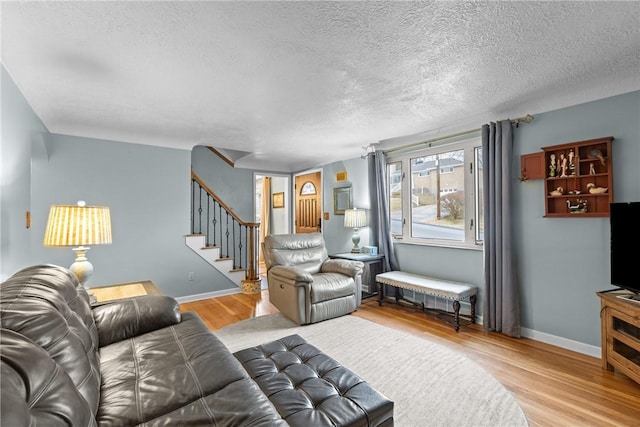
{"type": "Point", "coordinates": [526, 119]}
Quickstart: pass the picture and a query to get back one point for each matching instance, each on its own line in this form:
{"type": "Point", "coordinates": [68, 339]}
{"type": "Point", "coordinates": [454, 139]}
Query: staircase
{"type": "Point", "coordinates": [221, 238]}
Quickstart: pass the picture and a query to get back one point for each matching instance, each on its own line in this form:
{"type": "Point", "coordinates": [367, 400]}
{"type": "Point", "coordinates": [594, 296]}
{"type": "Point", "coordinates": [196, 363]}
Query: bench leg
{"type": "Point", "coordinates": [473, 308]}
{"type": "Point", "coordinates": [456, 315]}
{"type": "Point", "coordinates": [380, 293]}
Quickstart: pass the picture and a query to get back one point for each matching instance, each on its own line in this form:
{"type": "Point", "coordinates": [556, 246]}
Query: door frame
{"type": "Point", "coordinates": [293, 196]}
{"type": "Point", "coordinates": [287, 196]}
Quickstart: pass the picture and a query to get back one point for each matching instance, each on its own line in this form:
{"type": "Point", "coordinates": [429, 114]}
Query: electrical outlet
{"type": "Point", "coordinates": [192, 276]}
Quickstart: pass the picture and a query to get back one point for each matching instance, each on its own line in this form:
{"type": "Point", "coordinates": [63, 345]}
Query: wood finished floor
{"type": "Point", "coordinates": [554, 386]}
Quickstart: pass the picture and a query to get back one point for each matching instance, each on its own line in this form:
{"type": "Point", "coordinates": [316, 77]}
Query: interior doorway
{"type": "Point", "coordinates": [272, 209]}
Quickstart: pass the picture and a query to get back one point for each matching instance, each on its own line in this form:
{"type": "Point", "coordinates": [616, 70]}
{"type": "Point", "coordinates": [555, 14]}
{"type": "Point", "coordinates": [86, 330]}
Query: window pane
{"type": "Point", "coordinates": [308, 189]}
{"type": "Point", "coordinates": [394, 178]}
{"type": "Point", "coordinates": [437, 196]}
{"type": "Point", "coordinates": [479, 182]}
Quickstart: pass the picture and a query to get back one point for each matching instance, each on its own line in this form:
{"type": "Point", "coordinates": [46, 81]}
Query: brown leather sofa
{"type": "Point", "coordinates": [139, 361]}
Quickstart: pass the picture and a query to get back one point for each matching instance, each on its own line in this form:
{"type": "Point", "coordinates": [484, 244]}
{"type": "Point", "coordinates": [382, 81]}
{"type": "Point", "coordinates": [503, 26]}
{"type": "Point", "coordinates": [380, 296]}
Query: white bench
{"type": "Point", "coordinates": [454, 291]}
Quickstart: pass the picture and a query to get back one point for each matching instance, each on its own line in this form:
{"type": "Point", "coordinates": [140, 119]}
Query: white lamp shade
{"type": "Point", "coordinates": [78, 226]}
{"type": "Point", "coordinates": [355, 218]}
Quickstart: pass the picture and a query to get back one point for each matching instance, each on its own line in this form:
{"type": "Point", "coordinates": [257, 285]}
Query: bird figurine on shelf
{"type": "Point", "coordinates": [596, 154]}
{"type": "Point", "coordinates": [557, 192]}
{"type": "Point", "coordinates": [596, 190]}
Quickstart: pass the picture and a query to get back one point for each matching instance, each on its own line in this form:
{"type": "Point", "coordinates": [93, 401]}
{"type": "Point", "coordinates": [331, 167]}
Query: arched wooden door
{"type": "Point", "coordinates": [308, 192]}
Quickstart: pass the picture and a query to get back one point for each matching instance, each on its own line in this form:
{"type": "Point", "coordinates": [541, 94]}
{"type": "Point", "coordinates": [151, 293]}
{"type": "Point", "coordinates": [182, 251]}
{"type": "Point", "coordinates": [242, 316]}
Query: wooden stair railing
{"type": "Point", "coordinates": [223, 228]}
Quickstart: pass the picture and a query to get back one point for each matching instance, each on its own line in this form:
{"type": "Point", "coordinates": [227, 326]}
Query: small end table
{"type": "Point", "coordinates": [124, 290]}
{"type": "Point", "coordinates": [372, 267]}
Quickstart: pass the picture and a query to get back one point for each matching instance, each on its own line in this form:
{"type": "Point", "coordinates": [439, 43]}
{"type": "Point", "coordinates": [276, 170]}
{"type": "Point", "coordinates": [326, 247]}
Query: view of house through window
{"type": "Point", "coordinates": [436, 194]}
{"type": "Point", "coordinates": [395, 196]}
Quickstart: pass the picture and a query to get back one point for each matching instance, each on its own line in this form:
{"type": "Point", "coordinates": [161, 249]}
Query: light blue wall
{"type": "Point", "coordinates": [337, 237]}
{"type": "Point", "coordinates": [279, 218]}
{"type": "Point", "coordinates": [563, 262]}
{"type": "Point", "coordinates": [234, 186]}
{"type": "Point", "coordinates": [146, 188]}
{"type": "Point", "coordinates": [147, 191]}
{"type": "Point", "coordinates": [21, 128]}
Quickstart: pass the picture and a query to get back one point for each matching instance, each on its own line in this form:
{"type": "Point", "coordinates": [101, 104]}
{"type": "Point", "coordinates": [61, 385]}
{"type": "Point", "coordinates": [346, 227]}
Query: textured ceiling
{"type": "Point", "coordinates": [299, 84]}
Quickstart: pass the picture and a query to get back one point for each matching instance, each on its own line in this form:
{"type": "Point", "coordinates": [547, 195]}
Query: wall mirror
{"type": "Point", "coordinates": [342, 199]}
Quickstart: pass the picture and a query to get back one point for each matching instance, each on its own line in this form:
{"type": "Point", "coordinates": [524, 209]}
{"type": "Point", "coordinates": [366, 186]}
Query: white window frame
{"type": "Point", "coordinates": [471, 210]}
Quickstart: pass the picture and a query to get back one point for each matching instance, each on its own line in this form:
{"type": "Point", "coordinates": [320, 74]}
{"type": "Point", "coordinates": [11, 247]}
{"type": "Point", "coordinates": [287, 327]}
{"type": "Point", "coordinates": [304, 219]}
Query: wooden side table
{"type": "Point", "coordinates": [124, 290]}
{"type": "Point", "coordinates": [372, 267]}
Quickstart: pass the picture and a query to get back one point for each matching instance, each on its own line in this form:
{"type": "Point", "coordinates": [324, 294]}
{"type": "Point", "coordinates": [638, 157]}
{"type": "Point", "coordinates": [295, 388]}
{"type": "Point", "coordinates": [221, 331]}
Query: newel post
{"type": "Point", "coordinates": [252, 283]}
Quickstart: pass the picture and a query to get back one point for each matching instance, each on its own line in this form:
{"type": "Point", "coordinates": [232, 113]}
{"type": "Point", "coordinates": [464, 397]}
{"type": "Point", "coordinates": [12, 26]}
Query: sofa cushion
{"type": "Point", "coordinates": [126, 318]}
{"type": "Point", "coordinates": [35, 390]}
{"type": "Point", "coordinates": [328, 286]}
{"type": "Point", "coordinates": [179, 371]}
{"type": "Point", "coordinates": [46, 304]}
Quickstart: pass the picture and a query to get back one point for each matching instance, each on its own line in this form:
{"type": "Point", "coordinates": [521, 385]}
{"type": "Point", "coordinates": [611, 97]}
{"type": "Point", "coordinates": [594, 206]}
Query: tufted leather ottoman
{"type": "Point", "coordinates": [308, 388]}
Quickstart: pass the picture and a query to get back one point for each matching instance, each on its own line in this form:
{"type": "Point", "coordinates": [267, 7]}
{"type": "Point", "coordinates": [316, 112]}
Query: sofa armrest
{"type": "Point", "coordinates": [343, 266]}
{"type": "Point", "coordinates": [291, 274]}
{"type": "Point", "coordinates": [130, 317]}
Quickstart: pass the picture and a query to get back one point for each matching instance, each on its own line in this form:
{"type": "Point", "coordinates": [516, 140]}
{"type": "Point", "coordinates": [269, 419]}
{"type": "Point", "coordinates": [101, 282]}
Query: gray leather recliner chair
{"type": "Point", "coordinates": [304, 284]}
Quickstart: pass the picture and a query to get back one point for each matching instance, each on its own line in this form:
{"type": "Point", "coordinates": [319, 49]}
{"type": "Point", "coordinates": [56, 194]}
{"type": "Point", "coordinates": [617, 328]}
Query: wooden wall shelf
{"type": "Point", "coordinates": [570, 170]}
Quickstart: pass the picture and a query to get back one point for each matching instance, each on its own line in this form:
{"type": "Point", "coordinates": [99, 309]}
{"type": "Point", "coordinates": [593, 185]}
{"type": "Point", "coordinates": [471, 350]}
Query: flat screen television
{"type": "Point", "coordinates": [625, 237]}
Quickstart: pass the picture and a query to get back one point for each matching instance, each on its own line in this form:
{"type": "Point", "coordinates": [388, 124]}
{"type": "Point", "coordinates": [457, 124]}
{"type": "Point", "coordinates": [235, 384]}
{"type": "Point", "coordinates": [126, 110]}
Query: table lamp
{"type": "Point", "coordinates": [355, 218]}
{"type": "Point", "coordinates": [78, 226]}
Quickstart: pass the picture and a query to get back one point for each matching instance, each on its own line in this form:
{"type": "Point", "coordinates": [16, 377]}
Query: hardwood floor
{"type": "Point", "coordinates": [554, 386]}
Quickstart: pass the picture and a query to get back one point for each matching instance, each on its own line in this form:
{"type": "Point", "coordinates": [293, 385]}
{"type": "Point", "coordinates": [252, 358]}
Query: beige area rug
{"type": "Point", "coordinates": [429, 384]}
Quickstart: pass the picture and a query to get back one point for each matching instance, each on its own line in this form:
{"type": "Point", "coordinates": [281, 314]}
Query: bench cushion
{"type": "Point", "coordinates": [308, 388]}
{"type": "Point", "coordinates": [427, 285]}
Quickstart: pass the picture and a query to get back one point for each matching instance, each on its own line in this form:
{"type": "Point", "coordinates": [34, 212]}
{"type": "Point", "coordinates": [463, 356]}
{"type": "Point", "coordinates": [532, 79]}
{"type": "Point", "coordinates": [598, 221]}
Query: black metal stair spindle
{"type": "Point", "coordinates": [220, 211]}
{"type": "Point", "coordinates": [226, 233]}
{"type": "Point", "coordinates": [200, 211]}
{"type": "Point", "coordinates": [233, 241]}
{"type": "Point", "coordinates": [214, 221]}
{"type": "Point", "coordinates": [207, 241]}
{"type": "Point", "coordinates": [240, 245]}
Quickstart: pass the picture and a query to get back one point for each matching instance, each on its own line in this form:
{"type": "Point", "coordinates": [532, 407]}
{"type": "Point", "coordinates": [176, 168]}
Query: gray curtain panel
{"type": "Point", "coordinates": [379, 213]}
{"type": "Point", "coordinates": [501, 300]}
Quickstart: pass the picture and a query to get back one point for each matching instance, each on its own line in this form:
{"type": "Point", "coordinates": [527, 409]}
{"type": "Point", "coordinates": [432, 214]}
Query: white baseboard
{"type": "Point", "coordinates": [207, 295]}
{"type": "Point", "coordinates": [567, 344]}
{"type": "Point", "coordinates": [214, 294]}
{"type": "Point", "coordinates": [577, 346]}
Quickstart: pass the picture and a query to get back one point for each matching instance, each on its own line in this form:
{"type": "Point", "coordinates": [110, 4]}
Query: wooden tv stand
{"type": "Point", "coordinates": [620, 319]}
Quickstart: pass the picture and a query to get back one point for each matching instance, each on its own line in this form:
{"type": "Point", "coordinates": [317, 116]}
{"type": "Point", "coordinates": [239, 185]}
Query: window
{"type": "Point", "coordinates": [439, 200]}
{"type": "Point", "coordinates": [394, 179]}
{"type": "Point", "coordinates": [308, 189]}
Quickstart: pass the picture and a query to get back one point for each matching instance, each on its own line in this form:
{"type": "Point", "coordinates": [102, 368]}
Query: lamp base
{"type": "Point", "coordinates": [83, 269]}
{"type": "Point", "coordinates": [356, 241]}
